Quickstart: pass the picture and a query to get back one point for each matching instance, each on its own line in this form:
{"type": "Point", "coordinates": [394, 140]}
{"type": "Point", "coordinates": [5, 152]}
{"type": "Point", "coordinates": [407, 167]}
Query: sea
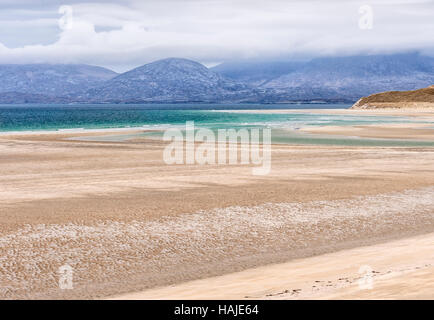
{"type": "Point", "coordinates": [153, 119]}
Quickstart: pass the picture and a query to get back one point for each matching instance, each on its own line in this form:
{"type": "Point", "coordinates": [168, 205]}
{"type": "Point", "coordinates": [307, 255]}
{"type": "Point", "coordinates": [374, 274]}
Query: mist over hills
{"type": "Point", "coordinates": [330, 79]}
{"type": "Point", "coordinates": [256, 73]}
{"type": "Point", "coordinates": [356, 76]}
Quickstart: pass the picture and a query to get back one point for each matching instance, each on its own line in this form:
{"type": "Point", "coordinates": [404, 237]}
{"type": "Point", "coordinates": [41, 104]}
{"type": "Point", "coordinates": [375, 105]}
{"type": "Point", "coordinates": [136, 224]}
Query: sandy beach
{"type": "Point", "coordinates": [403, 270]}
{"type": "Point", "coordinates": [411, 131]}
{"type": "Point", "coordinates": [131, 226]}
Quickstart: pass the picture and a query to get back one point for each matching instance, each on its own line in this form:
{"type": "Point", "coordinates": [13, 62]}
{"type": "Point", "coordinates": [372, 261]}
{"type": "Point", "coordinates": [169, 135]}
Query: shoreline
{"type": "Point", "coordinates": [71, 131]}
{"type": "Point", "coordinates": [418, 113]}
{"type": "Point", "coordinates": [429, 113]}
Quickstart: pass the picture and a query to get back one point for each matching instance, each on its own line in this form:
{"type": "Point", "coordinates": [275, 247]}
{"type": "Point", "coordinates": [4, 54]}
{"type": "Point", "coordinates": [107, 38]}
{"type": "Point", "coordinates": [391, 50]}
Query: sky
{"type": "Point", "coordinates": [125, 34]}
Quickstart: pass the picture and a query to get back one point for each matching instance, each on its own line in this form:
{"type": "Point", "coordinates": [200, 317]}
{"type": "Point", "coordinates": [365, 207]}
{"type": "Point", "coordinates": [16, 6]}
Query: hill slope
{"type": "Point", "coordinates": [51, 80]}
{"type": "Point", "coordinates": [169, 80]}
{"type": "Point", "coordinates": [422, 98]}
{"type": "Point", "coordinates": [352, 77]}
{"type": "Point", "coordinates": [256, 73]}
{"type": "Point", "coordinates": [332, 79]}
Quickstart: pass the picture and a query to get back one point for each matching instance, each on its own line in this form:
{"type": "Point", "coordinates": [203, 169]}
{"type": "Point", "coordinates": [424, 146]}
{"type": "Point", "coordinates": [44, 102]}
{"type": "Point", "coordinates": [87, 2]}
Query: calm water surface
{"type": "Point", "coordinates": [284, 127]}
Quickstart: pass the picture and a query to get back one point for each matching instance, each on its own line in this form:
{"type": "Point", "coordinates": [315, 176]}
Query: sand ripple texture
{"type": "Point", "coordinates": [112, 257]}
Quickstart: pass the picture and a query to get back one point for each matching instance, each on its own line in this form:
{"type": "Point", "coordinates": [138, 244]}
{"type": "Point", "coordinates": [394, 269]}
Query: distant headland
{"type": "Point", "coordinates": [415, 99]}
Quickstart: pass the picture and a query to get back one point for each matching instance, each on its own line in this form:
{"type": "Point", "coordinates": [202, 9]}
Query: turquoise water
{"type": "Point", "coordinates": [161, 116]}
{"type": "Point", "coordinates": [54, 117]}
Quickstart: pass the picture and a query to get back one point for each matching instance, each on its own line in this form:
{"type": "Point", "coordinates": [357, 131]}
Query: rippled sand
{"type": "Point", "coordinates": [403, 270]}
{"type": "Point", "coordinates": [125, 221]}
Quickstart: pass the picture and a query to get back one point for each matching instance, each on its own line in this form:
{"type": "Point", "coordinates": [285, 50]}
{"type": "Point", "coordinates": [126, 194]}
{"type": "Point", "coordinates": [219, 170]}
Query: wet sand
{"type": "Point", "coordinates": [127, 222]}
{"type": "Point", "coordinates": [411, 131]}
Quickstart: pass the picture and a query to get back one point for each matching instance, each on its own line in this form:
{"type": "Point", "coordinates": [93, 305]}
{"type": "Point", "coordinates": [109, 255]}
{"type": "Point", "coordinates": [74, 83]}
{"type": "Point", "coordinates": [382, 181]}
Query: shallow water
{"type": "Point", "coordinates": [54, 117]}
{"type": "Point", "coordinates": [158, 117]}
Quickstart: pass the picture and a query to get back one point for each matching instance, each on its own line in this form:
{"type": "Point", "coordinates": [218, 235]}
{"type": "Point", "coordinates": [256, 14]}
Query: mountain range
{"type": "Point", "coordinates": [356, 76]}
{"type": "Point", "coordinates": [175, 80]}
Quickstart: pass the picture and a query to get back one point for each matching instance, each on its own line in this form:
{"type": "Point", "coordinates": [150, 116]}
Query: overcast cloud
{"type": "Point", "coordinates": [125, 34]}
